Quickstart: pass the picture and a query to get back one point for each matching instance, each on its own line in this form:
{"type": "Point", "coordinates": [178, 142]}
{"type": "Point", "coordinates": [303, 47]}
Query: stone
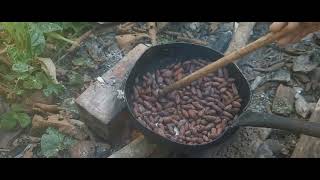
{"type": "Point", "coordinates": [256, 82]}
{"type": "Point", "coordinates": [281, 75]}
{"type": "Point", "coordinates": [302, 107]}
{"type": "Point", "coordinates": [264, 151]}
{"type": "Point", "coordinates": [302, 77]}
{"type": "Point", "coordinates": [83, 149]}
{"type": "Point", "coordinates": [303, 63]}
{"type": "Point", "coordinates": [102, 150]}
{"type": "Point", "coordinates": [283, 101]}
{"type": "Point", "coordinates": [194, 26]}
{"type": "Point", "coordinates": [316, 38]}
{"type": "Point", "coordinates": [315, 75]}
{"type": "Point", "coordinates": [275, 146]}
{"type": "Point", "coordinates": [7, 137]}
{"type": "Point", "coordinates": [312, 106]}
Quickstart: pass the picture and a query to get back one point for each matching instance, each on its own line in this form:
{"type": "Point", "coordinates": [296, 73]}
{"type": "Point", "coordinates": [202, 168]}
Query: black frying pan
{"type": "Point", "coordinates": [162, 55]}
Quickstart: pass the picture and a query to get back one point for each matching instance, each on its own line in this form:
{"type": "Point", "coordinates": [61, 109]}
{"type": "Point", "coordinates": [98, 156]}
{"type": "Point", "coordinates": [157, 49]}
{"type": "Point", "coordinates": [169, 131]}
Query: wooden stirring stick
{"type": "Point", "coordinates": [229, 58]}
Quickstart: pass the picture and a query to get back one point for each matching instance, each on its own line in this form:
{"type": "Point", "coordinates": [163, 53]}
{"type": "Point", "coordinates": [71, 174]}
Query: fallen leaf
{"type": "Point", "coordinates": [48, 66]}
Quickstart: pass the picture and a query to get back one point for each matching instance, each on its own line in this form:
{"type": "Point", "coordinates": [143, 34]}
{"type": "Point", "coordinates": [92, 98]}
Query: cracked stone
{"type": "Point", "coordinates": [283, 101]}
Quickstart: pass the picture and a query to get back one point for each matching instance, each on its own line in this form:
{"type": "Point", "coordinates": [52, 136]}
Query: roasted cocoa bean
{"type": "Point", "coordinates": [210, 118]}
{"type": "Point", "coordinates": [188, 106]}
{"type": "Point", "coordinates": [192, 113]}
{"type": "Point", "coordinates": [169, 105]}
{"type": "Point", "coordinates": [218, 79]}
{"type": "Point", "coordinates": [236, 104]}
{"type": "Point", "coordinates": [201, 113]}
{"type": "Point", "coordinates": [209, 126]}
{"type": "Point", "coordinates": [197, 105]}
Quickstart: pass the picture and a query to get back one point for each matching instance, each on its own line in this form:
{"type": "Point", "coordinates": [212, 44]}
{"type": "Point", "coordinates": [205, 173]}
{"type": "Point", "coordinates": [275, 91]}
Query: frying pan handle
{"type": "Point", "coordinates": [255, 119]}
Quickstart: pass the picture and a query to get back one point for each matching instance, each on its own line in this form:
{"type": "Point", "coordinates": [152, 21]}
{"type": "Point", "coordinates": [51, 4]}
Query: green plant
{"type": "Point", "coordinates": [53, 142]}
{"type": "Point", "coordinates": [15, 116]}
{"type": "Point", "coordinates": [25, 43]}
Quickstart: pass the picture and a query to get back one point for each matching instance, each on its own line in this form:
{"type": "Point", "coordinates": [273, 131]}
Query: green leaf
{"type": "Point", "coordinates": [37, 40]}
{"type": "Point", "coordinates": [32, 83]}
{"type": "Point", "coordinates": [19, 91]}
{"type": "Point", "coordinates": [68, 141]}
{"type": "Point", "coordinates": [8, 121]}
{"type": "Point", "coordinates": [46, 27]}
{"type": "Point", "coordinates": [23, 119]}
{"type": "Point", "coordinates": [53, 89]}
{"type": "Point", "coordinates": [17, 108]}
{"type": "Point", "coordinates": [19, 56]}
{"type": "Point", "coordinates": [10, 77]}
{"type": "Point", "coordinates": [43, 78]}
{"type": "Point", "coordinates": [20, 67]}
{"type": "Point", "coordinates": [53, 141]}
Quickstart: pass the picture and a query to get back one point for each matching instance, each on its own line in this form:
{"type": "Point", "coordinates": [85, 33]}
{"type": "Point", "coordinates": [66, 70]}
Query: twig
{"type": "Point", "coordinates": [139, 30]}
{"type": "Point", "coordinates": [125, 28]}
{"type": "Point", "coordinates": [5, 61]}
{"type": "Point", "coordinates": [195, 41]}
{"type": "Point", "coordinates": [3, 51]}
{"type": "Point", "coordinates": [152, 32]}
{"type": "Point", "coordinates": [80, 39]}
{"type": "Point", "coordinates": [58, 36]}
{"type": "Point", "coordinates": [4, 150]}
{"type": "Point", "coordinates": [172, 33]}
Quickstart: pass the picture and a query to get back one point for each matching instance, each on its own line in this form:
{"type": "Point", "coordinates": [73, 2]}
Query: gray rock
{"type": "Point", "coordinates": [194, 26]}
{"type": "Point", "coordinates": [284, 100]}
{"type": "Point", "coordinates": [82, 149]}
{"type": "Point", "coordinates": [281, 75]}
{"type": "Point", "coordinates": [275, 146]}
{"type": "Point", "coordinates": [264, 151]}
{"type": "Point", "coordinates": [312, 106]}
{"type": "Point", "coordinates": [256, 82]}
{"type": "Point", "coordinates": [315, 75]}
{"type": "Point", "coordinates": [303, 63]}
{"type": "Point", "coordinates": [220, 41]}
{"type": "Point", "coordinates": [301, 105]}
{"type": "Point", "coordinates": [102, 150]}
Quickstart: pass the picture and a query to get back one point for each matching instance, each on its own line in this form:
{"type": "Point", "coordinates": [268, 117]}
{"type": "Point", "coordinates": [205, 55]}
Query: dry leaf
{"type": "Point", "coordinates": [126, 40]}
{"type": "Point", "coordinates": [47, 107]}
{"type": "Point", "coordinates": [48, 66]}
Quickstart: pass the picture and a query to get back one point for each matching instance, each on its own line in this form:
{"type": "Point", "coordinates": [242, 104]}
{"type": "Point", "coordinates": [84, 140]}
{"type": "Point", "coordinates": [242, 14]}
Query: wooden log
{"type": "Point", "coordinates": [309, 147]}
{"type": "Point", "coordinates": [100, 104]}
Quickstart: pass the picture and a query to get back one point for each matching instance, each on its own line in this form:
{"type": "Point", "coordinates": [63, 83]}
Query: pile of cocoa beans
{"type": "Point", "coordinates": [196, 114]}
